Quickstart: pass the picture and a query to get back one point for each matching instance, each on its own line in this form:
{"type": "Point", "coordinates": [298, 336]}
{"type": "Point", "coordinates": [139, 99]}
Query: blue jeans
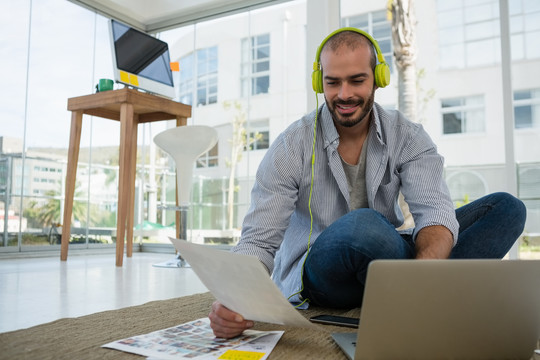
{"type": "Point", "coordinates": [336, 267]}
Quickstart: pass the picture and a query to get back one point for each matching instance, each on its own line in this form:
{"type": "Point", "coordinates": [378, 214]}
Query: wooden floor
{"type": "Point", "coordinates": [37, 290]}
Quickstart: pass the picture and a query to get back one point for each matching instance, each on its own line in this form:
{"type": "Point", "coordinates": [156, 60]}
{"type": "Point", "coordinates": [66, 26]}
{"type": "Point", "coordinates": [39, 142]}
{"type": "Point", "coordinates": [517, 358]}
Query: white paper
{"type": "Point", "coordinates": [241, 283]}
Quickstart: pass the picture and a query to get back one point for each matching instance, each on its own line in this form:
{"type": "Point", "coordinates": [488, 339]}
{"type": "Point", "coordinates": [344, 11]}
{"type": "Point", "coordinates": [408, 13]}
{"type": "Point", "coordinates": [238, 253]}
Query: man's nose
{"type": "Point", "coordinates": [345, 91]}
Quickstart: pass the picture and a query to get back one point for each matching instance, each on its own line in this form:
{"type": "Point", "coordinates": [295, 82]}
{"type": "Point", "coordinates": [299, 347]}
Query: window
{"type": "Point", "coordinates": [527, 108]}
{"type": "Point", "coordinates": [524, 28]}
{"type": "Point", "coordinates": [209, 159]}
{"type": "Point", "coordinates": [463, 115]}
{"type": "Point", "coordinates": [206, 74]}
{"type": "Point", "coordinates": [186, 79]}
{"type": "Point", "coordinates": [377, 25]}
{"type": "Point", "coordinates": [259, 130]}
{"type": "Point", "coordinates": [468, 33]}
{"type": "Point", "coordinates": [255, 65]}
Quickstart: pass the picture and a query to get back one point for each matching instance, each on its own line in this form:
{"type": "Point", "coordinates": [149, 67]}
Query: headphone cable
{"type": "Point", "coordinates": [309, 205]}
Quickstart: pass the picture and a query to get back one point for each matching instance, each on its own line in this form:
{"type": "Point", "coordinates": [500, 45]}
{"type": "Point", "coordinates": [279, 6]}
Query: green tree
{"type": "Point", "coordinates": [48, 213]}
{"type": "Point", "coordinates": [240, 140]}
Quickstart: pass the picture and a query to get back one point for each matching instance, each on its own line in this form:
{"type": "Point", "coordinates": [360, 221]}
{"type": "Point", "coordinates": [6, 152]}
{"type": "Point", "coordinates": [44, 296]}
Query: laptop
{"type": "Point", "coordinates": [451, 309]}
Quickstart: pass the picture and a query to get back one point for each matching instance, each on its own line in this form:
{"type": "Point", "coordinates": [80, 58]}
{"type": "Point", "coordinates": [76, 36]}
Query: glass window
{"type": "Point", "coordinates": [527, 108]}
{"type": "Point", "coordinates": [377, 25]}
{"type": "Point", "coordinates": [186, 79]}
{"type": "Point", "coordinates": [468, 33]}
{"type": "Point", "coordinates": [258, 135]}
{"type": "Point", "coordinates": [35, 123]}
{"type": "Point", "coordinates": [475, 26]}
{"type": "Point", "coordinates": [525, 28]}
{"type": "Point", "coordinates": [255, 65]}
{"type": "Point", "coordinates": [35, 134]}
{"type": "Point", "coordinates": [206, 74]}
{"type": "Point", "coordinates": [463, 115]}
{"type": "Point", "coordinates": [209, 159]}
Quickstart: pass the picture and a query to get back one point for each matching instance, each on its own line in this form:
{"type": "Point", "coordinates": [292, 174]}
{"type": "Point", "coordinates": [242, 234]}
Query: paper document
{"type": "Point", "coordinates": [241, 283]}
{"type": "Point", "coordinates": [196, 340]}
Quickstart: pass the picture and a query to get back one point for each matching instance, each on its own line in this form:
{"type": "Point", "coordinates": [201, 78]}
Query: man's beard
{"type": "Point", "coordinates": [351, 120]}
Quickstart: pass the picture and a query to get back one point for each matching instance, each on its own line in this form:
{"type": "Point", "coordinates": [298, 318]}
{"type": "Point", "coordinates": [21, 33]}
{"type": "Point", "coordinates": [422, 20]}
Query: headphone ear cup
{"type": "Point", "coordinates": [382, 75]}
{"type": "Point", "coordinates": [316, 81]}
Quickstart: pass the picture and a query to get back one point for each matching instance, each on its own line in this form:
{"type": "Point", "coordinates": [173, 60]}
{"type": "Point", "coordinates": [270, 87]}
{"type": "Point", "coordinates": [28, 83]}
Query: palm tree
{"type": "Point", "coordinates": [49, 212]}
{"type": "Point", "coordinates": [401, 13]}
{"type": "Point", "coordinates": [403, 20]}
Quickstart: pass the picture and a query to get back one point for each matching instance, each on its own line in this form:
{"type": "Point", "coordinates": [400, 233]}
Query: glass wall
{"type": "Point", "coordinates": [237, 74]}
{"type": "Point", "coordinates": [46, 59]}
{"type": "Point", "coordinates": [232, 69]}
{"type": "Point", "coordinates": [245, 75]}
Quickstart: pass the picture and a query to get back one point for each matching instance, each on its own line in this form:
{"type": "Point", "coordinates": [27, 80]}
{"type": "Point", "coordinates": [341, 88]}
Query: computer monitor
{"type": "Point", "coordinates": [141, 60]}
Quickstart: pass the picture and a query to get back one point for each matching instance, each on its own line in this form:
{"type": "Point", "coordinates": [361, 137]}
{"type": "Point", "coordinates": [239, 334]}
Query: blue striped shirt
{"type": "Point", "coordinates": [400, 156]}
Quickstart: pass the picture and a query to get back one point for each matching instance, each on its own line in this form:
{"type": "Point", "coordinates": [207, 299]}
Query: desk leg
{"type": "Point", "coordinates": [126, 128]}
{"type": "Point", "coordinates": [131, 182]}
{"type": "Point", "coordinates": [73, 159]}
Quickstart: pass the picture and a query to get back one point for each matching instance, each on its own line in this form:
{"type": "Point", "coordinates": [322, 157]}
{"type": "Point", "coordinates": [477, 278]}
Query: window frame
{"type": "Point", "coordinates": [194, 82]}
{"type": "Point", "coordinates": [531, 102]}
{"type": "Point", "coordinates": [250, 75]}
{"type": "Point", "coordinates": [463, 108]}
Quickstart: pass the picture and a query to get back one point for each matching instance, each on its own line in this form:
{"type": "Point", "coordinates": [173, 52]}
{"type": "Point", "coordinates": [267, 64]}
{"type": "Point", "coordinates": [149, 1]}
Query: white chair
{"type": "Point", "coordinates": [185, 144]}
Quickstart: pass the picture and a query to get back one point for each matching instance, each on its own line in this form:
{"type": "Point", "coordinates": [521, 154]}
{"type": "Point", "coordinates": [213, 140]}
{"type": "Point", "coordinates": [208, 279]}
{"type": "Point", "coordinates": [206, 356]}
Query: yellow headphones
{"type": "Point", "coordinates": [382, 71]}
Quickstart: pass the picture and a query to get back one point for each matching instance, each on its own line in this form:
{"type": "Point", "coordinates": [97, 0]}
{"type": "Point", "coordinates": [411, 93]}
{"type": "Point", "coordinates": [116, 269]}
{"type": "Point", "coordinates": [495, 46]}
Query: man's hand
{"type": "Point", "coordinates": [434, 242]}
{"type": "Point", "coordinates": [226, 323]}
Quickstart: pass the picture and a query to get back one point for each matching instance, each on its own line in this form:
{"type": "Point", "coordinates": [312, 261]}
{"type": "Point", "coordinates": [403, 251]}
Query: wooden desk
{"type": "Point", "coordinates": [130, 107]}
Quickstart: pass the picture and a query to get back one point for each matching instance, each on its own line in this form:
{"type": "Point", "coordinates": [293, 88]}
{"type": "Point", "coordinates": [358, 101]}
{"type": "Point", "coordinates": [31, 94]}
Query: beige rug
{"type": "Point", "coordinates": [82, 337]}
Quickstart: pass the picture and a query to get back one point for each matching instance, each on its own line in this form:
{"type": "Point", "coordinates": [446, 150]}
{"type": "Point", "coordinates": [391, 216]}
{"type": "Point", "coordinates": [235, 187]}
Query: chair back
{"type": "Point", "coordinates": [185, 144]}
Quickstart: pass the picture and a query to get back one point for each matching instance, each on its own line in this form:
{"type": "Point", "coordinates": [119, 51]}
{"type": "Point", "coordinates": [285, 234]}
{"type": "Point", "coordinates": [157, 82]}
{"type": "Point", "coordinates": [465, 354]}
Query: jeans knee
{"type": "Point", "coordinates": [365, 228]}
{"type": "Point", "coordinates": [514, 206]}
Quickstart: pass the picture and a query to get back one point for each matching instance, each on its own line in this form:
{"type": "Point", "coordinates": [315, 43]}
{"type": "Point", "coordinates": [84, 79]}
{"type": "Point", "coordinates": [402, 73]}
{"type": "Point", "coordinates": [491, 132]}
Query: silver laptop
{"type": "Point", "coordinates": [451, 309]}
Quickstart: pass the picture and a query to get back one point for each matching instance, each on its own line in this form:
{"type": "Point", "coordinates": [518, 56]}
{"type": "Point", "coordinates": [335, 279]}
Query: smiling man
{"type": "Point", "coordinates": [325, 201]}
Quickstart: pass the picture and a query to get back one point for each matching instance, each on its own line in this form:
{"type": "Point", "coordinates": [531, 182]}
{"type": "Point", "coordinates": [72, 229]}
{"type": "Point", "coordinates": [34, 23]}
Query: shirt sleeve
{"type": "Point", "coordinates": [423, 185]}
{"type": "Point", "coordinates": [273, 200]}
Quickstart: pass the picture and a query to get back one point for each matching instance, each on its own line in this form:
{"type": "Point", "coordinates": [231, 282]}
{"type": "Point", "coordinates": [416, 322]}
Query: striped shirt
{"type": "Point", "coordinates": [400, 156]}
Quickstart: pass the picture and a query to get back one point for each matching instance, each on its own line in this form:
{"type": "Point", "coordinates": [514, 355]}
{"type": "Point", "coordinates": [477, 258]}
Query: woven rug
{"type": "Point", "coordinates": [82, 337]}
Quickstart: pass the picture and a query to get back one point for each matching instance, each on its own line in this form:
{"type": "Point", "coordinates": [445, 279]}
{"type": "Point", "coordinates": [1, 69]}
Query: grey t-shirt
{"type": "Point", "coordinates": [356, 178]}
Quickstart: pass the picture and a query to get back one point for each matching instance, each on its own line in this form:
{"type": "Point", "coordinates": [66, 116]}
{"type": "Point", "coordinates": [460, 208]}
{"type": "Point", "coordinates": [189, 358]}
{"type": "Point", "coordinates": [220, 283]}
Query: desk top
{"type": "Point", "coordinates": [148, 107]}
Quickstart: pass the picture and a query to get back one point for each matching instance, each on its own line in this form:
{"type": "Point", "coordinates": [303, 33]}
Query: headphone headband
{"type": "Point", "coordinates": [382, 71]}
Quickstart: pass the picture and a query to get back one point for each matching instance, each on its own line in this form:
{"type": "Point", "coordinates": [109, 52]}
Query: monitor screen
{"type": "Point", "coordinates": [140, 60]}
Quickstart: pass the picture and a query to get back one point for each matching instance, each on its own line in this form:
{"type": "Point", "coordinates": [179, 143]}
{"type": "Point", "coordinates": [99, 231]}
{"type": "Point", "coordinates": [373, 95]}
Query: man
{"type": "Point", "coordinates": [325, 204]}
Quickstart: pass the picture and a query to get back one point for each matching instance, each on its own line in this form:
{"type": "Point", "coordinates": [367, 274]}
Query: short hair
{"type": "Point", "coordinates": [352, 40]}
